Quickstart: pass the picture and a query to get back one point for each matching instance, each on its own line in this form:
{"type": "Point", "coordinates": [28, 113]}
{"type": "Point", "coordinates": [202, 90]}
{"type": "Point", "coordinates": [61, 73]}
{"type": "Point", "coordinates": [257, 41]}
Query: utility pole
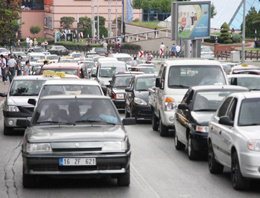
{"type": "Point", "coordinates": [97, 19]}
{"type": "Point", "coordinates": [109, 18]}
{"type": "Point", "coordinates": [78, 28]}
{"type": "Point", "coordinates": [116, 19]}
{"type": "Point", "coordinates": [92, 18]}
{"type": "Point", "coordinates": [243, 33]}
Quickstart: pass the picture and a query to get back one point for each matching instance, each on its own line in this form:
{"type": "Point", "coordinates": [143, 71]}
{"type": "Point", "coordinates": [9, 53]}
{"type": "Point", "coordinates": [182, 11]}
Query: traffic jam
{"type": "Point", "coordinates": [76, 108]}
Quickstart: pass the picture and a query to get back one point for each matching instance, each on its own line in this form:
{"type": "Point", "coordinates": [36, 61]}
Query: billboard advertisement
{"type": "Point", "coordinates": [190, 20]}
{"type": "Point", "coordinates": [127, 11]}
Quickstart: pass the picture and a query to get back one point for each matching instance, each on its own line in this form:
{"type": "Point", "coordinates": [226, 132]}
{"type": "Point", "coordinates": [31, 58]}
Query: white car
{"type": "Point", "coordinates": [4, 51]}
{"type": "Point", "coordinates": [35, 57]}
{"type": "Point", "coordinates": [122, 57]}
{"type": "Point", "coordinates": [53, 58]}
{"type": "Point", "coordinates": [234, 138]}
{"type": "Point", "coordinates": [250, 81]}
{"type": "Point", "coordinates": [207, 53]}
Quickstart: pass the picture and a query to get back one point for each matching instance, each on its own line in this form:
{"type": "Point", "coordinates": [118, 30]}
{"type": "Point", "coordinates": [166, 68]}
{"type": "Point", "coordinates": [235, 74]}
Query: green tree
{"type": "Point", "coordinates": [84, 22]}
{"type": "Point", "coordinates": [212, 11]}
{"type": "Point", "coordinates": [165, 6]}
{"type": "Point", "coordinates": [35, 29]}
{"type": "Point", "coordinates": [251, 22]}
{"type": "Point", "coordinates": [103, 31]}
{"type": "Point", "coordinates": [137, 4]}
{"type": "Point", "coordinates": [156, 5]}
{"type": "Point", "coordinates": [102, 21]}
{"type": "Point", "coordinates": [9, 15]}
{"type": "Point", "coordinates": [225, 36]}
{"type": "Point", "coordinates": [146, 5]}
{"type": "Point", "coordinates": [66, 22]}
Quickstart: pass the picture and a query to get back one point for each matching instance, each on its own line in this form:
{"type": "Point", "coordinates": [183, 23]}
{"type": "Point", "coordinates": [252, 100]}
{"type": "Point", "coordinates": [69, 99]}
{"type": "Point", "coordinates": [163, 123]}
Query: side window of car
{"type": "Point", "coordinates": [232, 110]}
{"type": "Point", "coordinates": [223, 108]}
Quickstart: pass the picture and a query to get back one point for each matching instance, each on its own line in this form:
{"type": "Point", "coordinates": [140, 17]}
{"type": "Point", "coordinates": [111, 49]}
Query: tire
{"type": "Point", "coordinates": [178, 145]}
{"type": "Point", "coordinates": [163, 130]}
{"type": "Point", "coordinates": [8, 130]}
{"type": "Point", "coordinates": [239, 182]}
{"type": "Point", "coordinates": [127, 115]}
{"type": "Point", "coordinates": [192, 154]}
{"type": "Point", "coordinates": [155, 122]}
{"type": "Point", "coordinates": [214, 166]}
{"type": "Point", "coordinates": [29, 181]}
{"type": "Point", "coordinates": [124, 179]}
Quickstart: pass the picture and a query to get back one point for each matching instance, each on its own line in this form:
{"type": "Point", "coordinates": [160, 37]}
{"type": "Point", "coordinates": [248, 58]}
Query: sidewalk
{"type": "Point", "coordinates": [3, 89]}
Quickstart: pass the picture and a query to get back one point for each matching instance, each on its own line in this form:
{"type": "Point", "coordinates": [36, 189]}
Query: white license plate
{"type": "Point", "coordinates": [78, 161]}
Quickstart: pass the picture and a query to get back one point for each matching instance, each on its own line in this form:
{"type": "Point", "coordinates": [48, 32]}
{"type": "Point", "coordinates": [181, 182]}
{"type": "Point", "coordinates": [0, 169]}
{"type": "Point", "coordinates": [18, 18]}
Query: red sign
{"type": "Point", "coordinates": [141, 54]}
{"type": "Point", "coordinates": [50, 2]}
{"type": "Point", "coordinates": [161, 52]}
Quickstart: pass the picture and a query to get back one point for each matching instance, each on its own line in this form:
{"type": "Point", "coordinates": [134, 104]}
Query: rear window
{"type": "Point", "coordinates": [189, 76]}
{"type": "Point", "coordinates": [143, 84]}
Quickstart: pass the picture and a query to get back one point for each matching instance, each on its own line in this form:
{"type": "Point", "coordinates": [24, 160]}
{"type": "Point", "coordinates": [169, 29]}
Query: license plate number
{"type": "Point", "coordinates": [77, 161]}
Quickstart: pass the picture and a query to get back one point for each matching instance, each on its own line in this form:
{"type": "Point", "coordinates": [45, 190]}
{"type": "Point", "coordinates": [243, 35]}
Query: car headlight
{"type": "Point", "coordinates": [12, 109]}
{"type": "Point", "coordinates": [140, 101]}
{"type": "Point", "coordinates": [38, 147]}
{"type": "Point", "coordinates": [203, 129]}
{"type": "Point", "coordinates": [254, 145]}
{"type": "Point", "coordinates": [114, 146]}
{"type": "Point", "coordinates": [169, 104]}
{"type": "Point", "coordinates": [119, 96]}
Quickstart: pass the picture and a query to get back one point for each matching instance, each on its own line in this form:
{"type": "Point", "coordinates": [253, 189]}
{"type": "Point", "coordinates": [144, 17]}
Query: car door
{"type": "Point", "coordinates": [226, 133]}
{"type": "Point", "coordinates": [216, 129]}
{"type": "Point", "coordinates": [182, 117]}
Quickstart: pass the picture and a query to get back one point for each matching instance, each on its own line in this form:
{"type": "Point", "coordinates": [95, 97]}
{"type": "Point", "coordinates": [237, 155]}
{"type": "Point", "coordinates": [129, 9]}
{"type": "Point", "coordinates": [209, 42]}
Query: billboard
{"type": "Point", "coordinates": [127, 11]}
{"type": "Point", "coordinates": [190, 20]}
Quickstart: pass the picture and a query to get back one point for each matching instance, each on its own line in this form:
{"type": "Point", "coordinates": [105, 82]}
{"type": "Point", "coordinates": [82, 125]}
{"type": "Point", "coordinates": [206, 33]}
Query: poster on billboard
{"type": "Point", "coordinates": [190, 20]}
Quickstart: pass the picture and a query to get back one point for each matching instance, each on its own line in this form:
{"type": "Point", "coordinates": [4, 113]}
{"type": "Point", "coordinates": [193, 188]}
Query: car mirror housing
{"type": "Point", "coordinates": [3, 94]}
{"type": "Point", "coordinates": [158, 83]}
{"type": "Point", "coordinates": [93, 75]}
{"type": "Point", "coordinates": [129, 121]}
{"type": "Point", "coordinates": [32, 101]}
{"type": "Point", "coordinates": [104, 89]}
{"type": "Point", "coordinates": [128, 89]}
{"type": "Point", "coordinates": [226, 121]}
{"type": "Point", "coordinates": [183, 106]}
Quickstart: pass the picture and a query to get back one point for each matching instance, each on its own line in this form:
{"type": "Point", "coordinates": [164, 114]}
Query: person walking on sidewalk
{"type": "Point", "coordinates": [162, 47]}
{"type": "Point", "coordinates": [26, 70]}
{"type": "Point", "coordinates": [173, 50]}
{"type": "Point", "coordinates": [19, 65]}
{"type": "Point", "coordinates": [3, 67]}
{"type": "Point", "coordinates": [11, 65]}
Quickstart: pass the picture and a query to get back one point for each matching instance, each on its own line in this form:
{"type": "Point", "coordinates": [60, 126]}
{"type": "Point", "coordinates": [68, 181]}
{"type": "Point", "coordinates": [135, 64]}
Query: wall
{"type": "Point", "coordinates": [30, 18]}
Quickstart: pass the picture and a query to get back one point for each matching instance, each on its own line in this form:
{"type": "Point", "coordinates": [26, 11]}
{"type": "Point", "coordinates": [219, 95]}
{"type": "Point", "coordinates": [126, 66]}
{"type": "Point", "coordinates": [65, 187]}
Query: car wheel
{"type": "Point", "coordinates": [155, 122]}
{"type": "Point", "coordinates": [124, 179]}
{"type": "Point", "coordinates": [192, 154]}
{"type": "Point", "coordinates": [127, 115]}
{"type": "Point", "coordinates": [178, 145]}
{"type": "Point", "coordinates": [239, 182]}
{"type": "Point", "coordinates": [163, 130]}
{"type": "Point", "coordinates": [29, 181]}
{"type": "Point", "coordinates": [214, 166]}
{"type": "Point", "coordinates": [7, 130]}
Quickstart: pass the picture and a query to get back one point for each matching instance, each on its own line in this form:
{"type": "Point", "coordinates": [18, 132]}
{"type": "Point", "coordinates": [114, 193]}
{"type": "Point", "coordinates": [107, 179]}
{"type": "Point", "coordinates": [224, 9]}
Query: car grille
{"type": "Point", "coordinates": [75, 149]}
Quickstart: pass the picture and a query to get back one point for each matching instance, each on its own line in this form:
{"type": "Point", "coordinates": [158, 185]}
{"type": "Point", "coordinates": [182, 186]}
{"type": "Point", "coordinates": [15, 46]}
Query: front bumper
{"type": "Point", "coordinates": [250, 164]}
{"type": "Point", "coordinates": [11, 118]}
{"type": "Point", "coordinates": [49, 165]}
{"type": "Point", "coordinates": [168, 118]}
{"type": "Point", "coordinates": [142, 111]}
{"type": "Point", "coordinates": [199, 141]}
{"type": "Point", "coordinates": [120, 104]}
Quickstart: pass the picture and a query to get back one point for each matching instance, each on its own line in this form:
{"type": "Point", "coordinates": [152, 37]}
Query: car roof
{"type": "Point", "coordinates": [65, 81]}
{"type": "Point", "coordinates": [145, 75]}
{"type": "Point", "coordinates": [34, 77]}
{"type": "Point", "coordinates": [120, 55]}
{"type": "Point", "coordinates": [191, 62]}
{"type": "Point", "coordinates": [63, 97]}
{"type": "Point", "coordinates": [243, 95]}
{"type": "Point", "coordinates": [141, 67]}
{"type": "Point", "coordinates": [107, 59]}
{"type": "Point", "coordinates": [243, 76]}
{"type": "Point", "coordinates": [245, 67]}
{"type": "Point", "coordinates": [62, 65]}
{"type": "Point", "coordinates": [36, 54]}
{"type": "Point", "coordinates": [218, 87]}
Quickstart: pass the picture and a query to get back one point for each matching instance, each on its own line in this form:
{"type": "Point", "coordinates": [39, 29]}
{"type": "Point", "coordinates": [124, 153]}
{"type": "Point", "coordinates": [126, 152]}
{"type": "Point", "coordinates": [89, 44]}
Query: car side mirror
{"type": "Point", "coordinates": [94, 75]}
{"type": "Point", "coordinates": [158, 83]}
{"type": "Point", "coordinates": [183, 106]}
{"type": "Point", "coordinates": [32, 101]}
{"type": "Point", "coordinates": [226, 121]}
{"type": "Point", "coordinates": [104, 89]}
{"type": "Point", "coordinates": [129, 89]}
{"type": "Point", "coordinates": [129, 121]}
{"type": "Point", "coordinates": [3, 94]}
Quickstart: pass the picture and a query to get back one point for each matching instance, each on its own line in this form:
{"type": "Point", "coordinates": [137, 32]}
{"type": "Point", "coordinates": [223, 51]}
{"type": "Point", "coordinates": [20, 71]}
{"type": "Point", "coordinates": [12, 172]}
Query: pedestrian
{"type": "Point", "coordinates": [3, 67]}
{"type": "Point", "coordinates": [155, 32]}
{"type": "Point", "coordinates": [117, 47]}
{"type": "Point", "coordinates": [162, 47]}
{"type": "Point", "coordinates": [19, 42]}
{"type": "Point", "coordinates": [146, 57]}
{"type": "Point", "coordinates": [87, 47]}
{"type": "Point", "coordinates": [35, 42]}
{"type": "Point", "coordinates": [31, 43]}
{"type": "Point", "coordinates": [19, 65]}
{"type": "Point", "coordinates": [27, 42]}
{"type": "Point", "coordinates": [111, 50]}
{"type": "Point", "coordinates": [46, 44]}
{"type": "Point", "coordinates": [133, 62]}
{"type": "Point", "coordinates": [105, 45]}
{"type": "Point", "coordinates": [150, 58]}
{"type": "Point", "coordinates": [26, 70]}
{"type": "Point", "coordinates": [178, 49]}
{"type": "Point", "coordinates": [173, 50]}
{"type": "Point", "coordinates": [11, 65]}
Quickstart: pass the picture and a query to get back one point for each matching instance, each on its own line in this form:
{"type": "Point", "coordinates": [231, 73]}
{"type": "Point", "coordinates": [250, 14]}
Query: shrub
{"type": "Point", "coordinates": [35, 29]}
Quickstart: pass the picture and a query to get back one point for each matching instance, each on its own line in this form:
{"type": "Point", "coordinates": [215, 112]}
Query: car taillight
{"type": "Point", "coordinates": [97, 53]}
{"type": "Point", "coordinates": [58, 50]}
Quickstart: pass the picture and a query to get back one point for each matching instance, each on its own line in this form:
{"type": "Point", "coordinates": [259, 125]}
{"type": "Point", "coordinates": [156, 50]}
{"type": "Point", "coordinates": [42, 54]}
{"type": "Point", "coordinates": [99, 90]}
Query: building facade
{"type": "Point", "coordinates": [47, 13]}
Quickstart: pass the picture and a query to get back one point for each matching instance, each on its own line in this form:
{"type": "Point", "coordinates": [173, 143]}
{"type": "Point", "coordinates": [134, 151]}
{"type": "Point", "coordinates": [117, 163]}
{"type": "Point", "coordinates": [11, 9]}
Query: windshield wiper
{"type": "Point", "coordinates": [142, 90]}
{"type": "Point", "coordinates": [205, 110]}
{"type": "Point", "coordinates": [181, 86]}
{"type": "Point", "coordinates": [95, 121]}
{"type": "Point", "coordinates": [54, 122]}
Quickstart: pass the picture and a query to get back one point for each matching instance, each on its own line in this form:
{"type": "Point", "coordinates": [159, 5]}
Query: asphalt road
{"type": "Point", "coordinates": [157, 170]}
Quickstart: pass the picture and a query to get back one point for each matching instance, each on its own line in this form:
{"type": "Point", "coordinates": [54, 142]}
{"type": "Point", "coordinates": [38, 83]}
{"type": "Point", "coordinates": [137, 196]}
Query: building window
{"type": "Point", "coordinates": [32, 4]}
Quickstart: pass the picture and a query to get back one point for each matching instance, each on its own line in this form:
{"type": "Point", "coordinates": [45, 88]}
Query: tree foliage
{"type": "Point", "coordinates": [102, 21]}
{"type": "Point", "coordinates": [225, 36]}
{"type": "Point", "coordinates": [165, 6]}
{"type": "Point", "coordinates": [252, 23]}
{"type": "Point", "coordinates": [35, 29]}
{"type": "Point", "coordinates": [137, 4]}
{"type": "Point", "coordinates": [84, 22]}
{"type": "Point", "coordinates": [66, 22]}
{"type": "Point", "coordinates": [9, 16]}
{"type": "Point", "coordinates": [212, 11]}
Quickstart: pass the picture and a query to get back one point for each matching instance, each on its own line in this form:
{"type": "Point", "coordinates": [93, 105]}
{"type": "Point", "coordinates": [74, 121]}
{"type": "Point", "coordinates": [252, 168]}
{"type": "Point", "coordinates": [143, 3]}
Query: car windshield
{"type": "Point", "coordinates": [76, 55]}
{"type": "Point", "coordinates": [251, 83]}
{"type": "Point", "coordinates": [122, 81]}
{"type": "Point", "coordinates": [26, 87]}
{"type": "Point", "coordinates": [100, 50]}
{"type": "Point", "coordinates": [52, 57]}
{"type": "Point", "coordinates": [125, 59]}
{"type": "Point", "coordinates": [149, 70]}
{"type": "Point", "coordinates": [35, 58]}
{"type": "Point", "coordinates": [70, 90]}
{"type": "Point", "coordinates": [206, 49]}
{"type": "Point", "coordinates": [38, 49]}
{"type": "Point", "coordinates": [76, 111]}
{"type": "Point", "coordinates": [20, 54]}
{"type": "Point", "coordinates": [146, 65]}
{"type": "Point", "coordinates": [144, 83]}
{"type": "Point", "coordinates": [109, 69]}
{"type": "Point", "coordinates": [89, 64]}
{"type": "Point", "coordinates": [249, 114]}
{"type": "Point", "coordinates": [189, 76]}
{"type": "Point", "coordinates": [210, 100]}
{"type": "Point", "coordinates": [67, 71]}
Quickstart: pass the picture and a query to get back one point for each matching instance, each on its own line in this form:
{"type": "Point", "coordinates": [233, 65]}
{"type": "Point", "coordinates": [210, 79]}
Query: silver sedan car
{"type": "Point", "coordinates": [234, 138]}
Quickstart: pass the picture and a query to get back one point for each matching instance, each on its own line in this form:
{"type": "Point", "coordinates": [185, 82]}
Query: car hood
{"type": "Point", "coordinates": [79, 133]}
{"type": "Point", "coordinates": [250, 132]}
{"type": "Point", "coordinates": [117, 90]}
{"type": "Point", "coordinates": [105, 81]}
{"type": "Point", "coordinates": [202, 117]}
{"type": "Point", "coordinates": [142, 94]}
{"type": "Point", "coordinates": [20, 100]}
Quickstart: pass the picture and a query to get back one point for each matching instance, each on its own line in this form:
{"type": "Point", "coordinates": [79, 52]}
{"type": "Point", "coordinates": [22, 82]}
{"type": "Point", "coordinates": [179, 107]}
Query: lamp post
{"type": "Point", "coordinates": [92, 18]}
{"type": "Point", "coordinates": [77, 28]}
{"type": "Point", "coordinates": [243, 33]}
{"type": "Point", "coordinates": [97, 19]}
{"type": "Point", "coordinates": [116, 18]}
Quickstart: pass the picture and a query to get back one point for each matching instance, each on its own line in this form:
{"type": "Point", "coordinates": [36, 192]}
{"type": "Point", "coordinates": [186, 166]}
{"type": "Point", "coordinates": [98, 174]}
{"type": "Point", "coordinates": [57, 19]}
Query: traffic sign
{"type": "Point", "coordinates": [141, 53]}
{"type": "Point", "coordinates": [161, 52]}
